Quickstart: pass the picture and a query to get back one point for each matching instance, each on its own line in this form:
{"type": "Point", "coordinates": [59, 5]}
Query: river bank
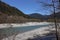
{"type": "Point", "coordinates": [7, 25]}
{"type": "Point", "coordinates": [30, 34]}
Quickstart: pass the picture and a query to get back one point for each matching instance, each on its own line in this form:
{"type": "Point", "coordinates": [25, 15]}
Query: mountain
{"type": "Point", "coordinates": [46, 17]}
{"type": "Point", "coordinates": [57, 16]}
{"type": "Point", "coordinates": [9, 14]}
{"type": "Point", "coordinates": [9, 10]}
{"type": "Point", "coordinates": [36, 15]}
{"type": "Point", "coordinates": [39, 16]}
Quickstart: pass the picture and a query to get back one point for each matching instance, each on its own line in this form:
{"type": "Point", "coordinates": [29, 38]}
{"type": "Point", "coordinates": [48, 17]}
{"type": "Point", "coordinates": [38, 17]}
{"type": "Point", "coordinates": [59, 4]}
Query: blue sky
{"type": "Point", "coordinates": [28, 6]}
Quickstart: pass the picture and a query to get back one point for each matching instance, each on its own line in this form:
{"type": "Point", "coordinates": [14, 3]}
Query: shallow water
{"type": "Point", "coordinates": [6, 32]}
{"type": "Point", "coordinates": [21, 29]}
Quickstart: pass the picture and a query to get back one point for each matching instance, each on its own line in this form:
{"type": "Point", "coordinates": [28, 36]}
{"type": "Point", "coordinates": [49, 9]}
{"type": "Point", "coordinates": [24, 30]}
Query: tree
{"type": "Point", "coordinates": [55, 5]}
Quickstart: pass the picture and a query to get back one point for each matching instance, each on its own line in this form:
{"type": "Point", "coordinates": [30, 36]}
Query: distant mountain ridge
{"type": "Point", "coordinates": [45, 17]}
{"type": "Point", "coordinates": [9, 14]}
{"type": "Point", "coordinates": [36, 15]}
{"type": "Point", "coordinates": [39, 16]}
{"type": "Point", "coordinates": [57, 15]}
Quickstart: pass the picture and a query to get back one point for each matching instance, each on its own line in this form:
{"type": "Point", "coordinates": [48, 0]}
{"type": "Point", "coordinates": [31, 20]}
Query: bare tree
{"type": "Point", "coordinates": [54, 7]}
